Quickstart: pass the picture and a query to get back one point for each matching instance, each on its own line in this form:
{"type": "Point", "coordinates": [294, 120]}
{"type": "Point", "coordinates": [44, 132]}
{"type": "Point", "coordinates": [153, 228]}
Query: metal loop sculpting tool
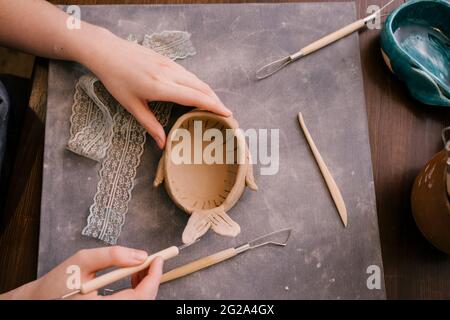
{"type": "Point", "coordinates": [277, 238]}
{"type": "Point", "coordinates": [279, 64]}
{"type": "Point", "coordinates": [121, 273]}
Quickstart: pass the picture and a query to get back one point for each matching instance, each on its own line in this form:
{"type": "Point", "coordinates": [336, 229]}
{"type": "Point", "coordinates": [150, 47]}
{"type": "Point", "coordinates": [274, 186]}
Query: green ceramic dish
{"type": "Point", "coordinates": [415, 43]}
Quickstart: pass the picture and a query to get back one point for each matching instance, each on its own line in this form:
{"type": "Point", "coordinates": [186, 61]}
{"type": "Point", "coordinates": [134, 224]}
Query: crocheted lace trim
{"type": "Point", "coordinates": [102, 130]}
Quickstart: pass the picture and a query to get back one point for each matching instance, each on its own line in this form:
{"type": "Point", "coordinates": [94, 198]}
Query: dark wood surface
{"type": "Point", "coordinates": [20, 219]}
{"type": "Point", "coordinates": [404, 135]}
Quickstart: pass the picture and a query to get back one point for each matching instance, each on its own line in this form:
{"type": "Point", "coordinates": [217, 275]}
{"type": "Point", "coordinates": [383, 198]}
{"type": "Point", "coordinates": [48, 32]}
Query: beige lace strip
{"type": "Point", "coordinates": [102, 130]}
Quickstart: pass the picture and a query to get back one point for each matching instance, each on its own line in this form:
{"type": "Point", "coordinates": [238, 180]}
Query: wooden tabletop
{"type": "Point", "coordinates": [404, 135]}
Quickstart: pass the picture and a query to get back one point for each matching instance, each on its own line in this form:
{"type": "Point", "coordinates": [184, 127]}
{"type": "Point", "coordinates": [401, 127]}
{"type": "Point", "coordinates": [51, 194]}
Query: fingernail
{"type": "Point", "coordinates": [228, 112]}
{"type": "Point", "coordinates": [160, 142]}
{"type": "Point", "coordinates": [140, 255]}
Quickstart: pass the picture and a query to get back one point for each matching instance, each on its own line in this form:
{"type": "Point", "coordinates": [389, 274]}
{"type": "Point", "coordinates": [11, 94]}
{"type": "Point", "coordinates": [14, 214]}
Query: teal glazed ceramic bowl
{"type": "Point", "coordinates": [415, 44]}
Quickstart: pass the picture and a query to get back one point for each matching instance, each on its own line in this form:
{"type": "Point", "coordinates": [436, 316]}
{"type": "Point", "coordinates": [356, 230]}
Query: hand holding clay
{"type": "Point", "coordinates": [82, 267]}
{"type": "Point", "coordinates": [135, 75]}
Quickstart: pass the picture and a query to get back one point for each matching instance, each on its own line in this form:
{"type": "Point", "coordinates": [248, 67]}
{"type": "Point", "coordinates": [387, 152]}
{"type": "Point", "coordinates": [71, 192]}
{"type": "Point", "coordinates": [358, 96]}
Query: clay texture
{"type": "Point", "coordinates": [206, 191]}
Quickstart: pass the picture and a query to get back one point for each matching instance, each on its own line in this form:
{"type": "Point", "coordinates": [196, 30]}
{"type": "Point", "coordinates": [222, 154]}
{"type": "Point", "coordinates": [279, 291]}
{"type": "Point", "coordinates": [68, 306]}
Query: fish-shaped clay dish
{"type": "Point", "coordinates": [205, 189]}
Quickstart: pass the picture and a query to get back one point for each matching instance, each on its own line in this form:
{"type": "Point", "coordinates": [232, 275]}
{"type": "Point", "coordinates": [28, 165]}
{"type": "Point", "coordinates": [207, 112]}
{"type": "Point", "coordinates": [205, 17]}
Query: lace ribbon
{"type": "Point", "coordinates": [102, 130]}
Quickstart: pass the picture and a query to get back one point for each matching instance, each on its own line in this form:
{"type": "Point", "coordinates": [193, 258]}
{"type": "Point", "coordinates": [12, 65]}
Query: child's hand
{"type": "Point", "coordinates": [53, 285]}
{"type": "Point", "coordinates": [135, 75]}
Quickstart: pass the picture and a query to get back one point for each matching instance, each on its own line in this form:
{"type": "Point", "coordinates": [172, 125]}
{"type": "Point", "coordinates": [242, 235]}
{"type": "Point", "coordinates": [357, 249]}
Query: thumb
{"type": "Point", "coordinates": [147, 119]}
{"type": "Point", "coordinates": [148, 287]}
{"type": "Point", "coordinates": [92, 260]}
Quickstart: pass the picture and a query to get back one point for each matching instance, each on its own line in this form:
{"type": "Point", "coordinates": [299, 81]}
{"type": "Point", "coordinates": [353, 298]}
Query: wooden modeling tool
{"type": "Point", "coordinates": [277, 238]}
{"type": "Point", "coordinates": [331, 184]}
{"type": "Point", "coordinates": [277, 65]}
{"type": "Point", "coordinates": [121, 273]}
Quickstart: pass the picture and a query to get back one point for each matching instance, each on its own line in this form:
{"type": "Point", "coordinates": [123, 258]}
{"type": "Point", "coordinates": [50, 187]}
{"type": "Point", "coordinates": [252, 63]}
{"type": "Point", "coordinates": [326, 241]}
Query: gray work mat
{"type": "Point", "coordinates": [322, 259]}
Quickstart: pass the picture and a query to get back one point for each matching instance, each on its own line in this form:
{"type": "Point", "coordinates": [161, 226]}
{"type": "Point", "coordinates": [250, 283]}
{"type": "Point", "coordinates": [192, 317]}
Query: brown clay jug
{"type": "Point", "coordinates": [430, 198]}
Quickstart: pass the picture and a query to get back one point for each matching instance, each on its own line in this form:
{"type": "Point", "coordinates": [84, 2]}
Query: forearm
{"type": "Point", "coordinates": [133, 74]}
{"type": "Point", "coordinates": [40, 28]}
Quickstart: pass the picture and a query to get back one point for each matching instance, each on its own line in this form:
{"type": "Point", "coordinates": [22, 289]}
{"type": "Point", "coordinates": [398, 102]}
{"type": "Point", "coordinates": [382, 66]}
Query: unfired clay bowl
{"type": "Point", "coordinates": [205, 191]}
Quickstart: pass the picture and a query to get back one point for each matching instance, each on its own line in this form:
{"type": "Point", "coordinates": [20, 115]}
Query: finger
{"type": "Point", "coordinates": [92, 260]}
{"type": "Point", "coordinates": [202, 85]}
{"type": "Point", "coordinates": [90, 296]}
{"type": "Point", "coordinates": [190, 97]}
{"type": "Point", "coordinates": [148, 287]}
{"type": "Point", "coordinates": [127, 294]}
{"type": "Point", "coordinates": [188, 79]}
{"type": "Point", "coordinates": [147, 119]}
